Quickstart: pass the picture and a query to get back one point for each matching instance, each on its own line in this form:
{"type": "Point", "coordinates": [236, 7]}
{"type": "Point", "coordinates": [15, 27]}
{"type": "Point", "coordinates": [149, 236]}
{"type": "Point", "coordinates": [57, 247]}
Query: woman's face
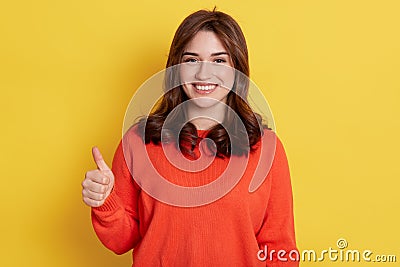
{"type": "Point", "coordinates": [207, 74]}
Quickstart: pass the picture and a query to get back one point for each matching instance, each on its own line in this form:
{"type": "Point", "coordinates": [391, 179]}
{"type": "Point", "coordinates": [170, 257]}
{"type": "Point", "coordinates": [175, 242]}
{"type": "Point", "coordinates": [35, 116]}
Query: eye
{"type": "Point", "coordinates": [190, 60]}
{"type": "Point", "coordinates": [220, 60]}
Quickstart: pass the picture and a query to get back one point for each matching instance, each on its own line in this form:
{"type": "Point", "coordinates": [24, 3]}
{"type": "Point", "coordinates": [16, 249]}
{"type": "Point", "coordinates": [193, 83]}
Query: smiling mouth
{"type": "Point", "coordinates": [204, 88]}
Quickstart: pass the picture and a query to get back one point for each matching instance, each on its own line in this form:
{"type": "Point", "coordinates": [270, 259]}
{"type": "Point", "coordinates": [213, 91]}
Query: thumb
{"type": "Point", "coordinates": [98, 158]}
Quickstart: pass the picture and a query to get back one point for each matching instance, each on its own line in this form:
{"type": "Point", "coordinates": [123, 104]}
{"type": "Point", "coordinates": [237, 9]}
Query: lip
{"type": "Point", "coordinates": [204, 88]}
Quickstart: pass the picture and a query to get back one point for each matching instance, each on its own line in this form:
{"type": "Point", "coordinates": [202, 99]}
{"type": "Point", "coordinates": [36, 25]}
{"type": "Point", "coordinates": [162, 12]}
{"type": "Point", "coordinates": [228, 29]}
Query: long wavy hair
{"type": "Point", "coordinates": [224, 144]}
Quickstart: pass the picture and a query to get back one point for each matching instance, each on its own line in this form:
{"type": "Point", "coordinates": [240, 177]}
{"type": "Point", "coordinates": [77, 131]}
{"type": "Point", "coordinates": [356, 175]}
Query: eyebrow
{"type": "Point", "coordinates": [213, 54]}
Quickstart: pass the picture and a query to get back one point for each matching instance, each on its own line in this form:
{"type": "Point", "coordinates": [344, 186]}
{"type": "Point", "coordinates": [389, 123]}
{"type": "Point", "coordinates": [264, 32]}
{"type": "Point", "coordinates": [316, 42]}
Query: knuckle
{"type": "Point", "coordinates": [92, 174]}
{"type": "Point", "coordinates": [103, 189]}
{"type": "Point", "coordinates": [98, 177]}
{"type": "Point", "coordinates": [89, 173]}
{"type": "Point", "coordinates": [97, 197]}
{"type": "Point", "coordinates": [86, 201]}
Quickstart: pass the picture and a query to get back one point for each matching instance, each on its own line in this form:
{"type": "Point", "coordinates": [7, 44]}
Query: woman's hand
{"type": "Point", "coordinates": [98, 183]}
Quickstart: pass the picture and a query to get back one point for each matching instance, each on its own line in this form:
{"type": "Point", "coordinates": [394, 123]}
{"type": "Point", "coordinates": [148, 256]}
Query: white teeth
{"type": "Point", "coordinates": [205, 87]}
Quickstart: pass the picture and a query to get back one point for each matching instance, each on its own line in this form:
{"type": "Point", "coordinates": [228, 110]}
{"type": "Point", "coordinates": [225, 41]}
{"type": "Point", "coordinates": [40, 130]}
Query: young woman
{"type": "Point", "coordinates": [191, 217]}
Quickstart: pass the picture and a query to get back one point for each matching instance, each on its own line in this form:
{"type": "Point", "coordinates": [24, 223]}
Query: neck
{"type": "Point", "coordinates": [207, 117]}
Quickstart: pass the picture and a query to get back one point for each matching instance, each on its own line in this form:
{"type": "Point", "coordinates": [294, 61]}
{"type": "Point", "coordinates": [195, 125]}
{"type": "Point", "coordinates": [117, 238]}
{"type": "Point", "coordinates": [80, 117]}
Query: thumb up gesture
{"type": "Point", "coordinates": [98, 183]}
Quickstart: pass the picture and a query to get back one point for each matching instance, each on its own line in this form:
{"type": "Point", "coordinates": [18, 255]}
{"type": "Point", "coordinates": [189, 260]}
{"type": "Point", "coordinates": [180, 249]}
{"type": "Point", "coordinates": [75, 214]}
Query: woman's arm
{"type": "Point", "coordinates": [277, 231]}
{"type": "Point", "coordinates": [116, 222]}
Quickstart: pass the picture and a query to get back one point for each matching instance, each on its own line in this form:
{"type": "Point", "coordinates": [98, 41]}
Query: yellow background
{"type": "Point", "coordinates": [329, 69]}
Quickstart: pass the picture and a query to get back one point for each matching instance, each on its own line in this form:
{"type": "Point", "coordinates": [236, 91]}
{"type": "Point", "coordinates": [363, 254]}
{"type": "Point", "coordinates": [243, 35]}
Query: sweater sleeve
{"type": "Point", "coordinates": [116, 222]}
{"type": "Point", "coordinates": [277, 231]}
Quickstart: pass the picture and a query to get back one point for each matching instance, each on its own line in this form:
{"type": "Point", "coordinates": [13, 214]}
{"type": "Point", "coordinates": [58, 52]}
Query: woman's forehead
{"type": "Point", "coordinates": [206, 43]}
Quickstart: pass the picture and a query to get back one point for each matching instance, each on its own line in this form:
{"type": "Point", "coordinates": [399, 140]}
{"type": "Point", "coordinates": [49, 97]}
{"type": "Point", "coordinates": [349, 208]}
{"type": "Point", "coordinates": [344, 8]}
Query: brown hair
{"type": "Point", "coordinates": [230, 34]}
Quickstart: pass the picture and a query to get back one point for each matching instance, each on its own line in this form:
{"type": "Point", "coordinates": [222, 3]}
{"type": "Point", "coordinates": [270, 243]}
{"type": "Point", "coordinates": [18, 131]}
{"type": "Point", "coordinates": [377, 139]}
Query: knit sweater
{"type": "Point", "coordinates": [229, 231]}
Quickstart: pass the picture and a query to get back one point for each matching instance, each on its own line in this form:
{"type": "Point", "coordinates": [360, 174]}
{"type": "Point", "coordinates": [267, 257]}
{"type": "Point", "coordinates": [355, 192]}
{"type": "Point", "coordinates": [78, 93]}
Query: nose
{"type": "Point", "coordinates": [204, 71]}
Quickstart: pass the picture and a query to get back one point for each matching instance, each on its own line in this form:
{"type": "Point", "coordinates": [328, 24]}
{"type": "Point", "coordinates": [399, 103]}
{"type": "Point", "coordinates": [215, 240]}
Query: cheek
{"type": "Point", "coordinates": [186, 90]}
{"type": "Point", "coordinates": [227, 76]}
{"type": "Point", "coordinates": [187, 74]}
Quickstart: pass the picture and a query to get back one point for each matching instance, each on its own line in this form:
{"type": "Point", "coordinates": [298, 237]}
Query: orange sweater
{"type": "Point", "coordinates": [230, 231]}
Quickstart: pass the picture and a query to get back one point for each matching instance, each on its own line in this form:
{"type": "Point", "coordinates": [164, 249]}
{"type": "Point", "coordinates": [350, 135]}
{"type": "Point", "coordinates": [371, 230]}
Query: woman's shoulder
{"type": "Point", "coordinates": [268, 137]}
{"type": "Point", "coordinates": [269, 148]}
{"type": "Point", "coordinates": [133, 134]}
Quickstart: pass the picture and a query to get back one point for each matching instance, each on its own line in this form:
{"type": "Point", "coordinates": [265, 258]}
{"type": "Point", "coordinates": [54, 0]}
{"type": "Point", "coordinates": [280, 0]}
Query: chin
{"type": "Point", "coordinates": [206, 102]}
